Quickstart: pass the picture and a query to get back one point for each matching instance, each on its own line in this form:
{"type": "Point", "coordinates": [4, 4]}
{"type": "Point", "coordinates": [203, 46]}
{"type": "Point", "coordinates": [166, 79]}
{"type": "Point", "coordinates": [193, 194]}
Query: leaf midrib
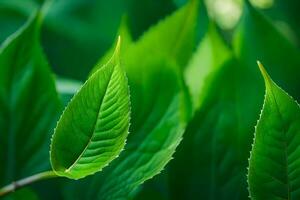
{"type": "Point", "coordinates": [95, 123]}
{"type": "Point", "coordinates": [285, 140]}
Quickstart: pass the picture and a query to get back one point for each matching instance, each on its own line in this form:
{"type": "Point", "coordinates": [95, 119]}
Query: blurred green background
{"type": "Point", "coordinates": [76, 33]}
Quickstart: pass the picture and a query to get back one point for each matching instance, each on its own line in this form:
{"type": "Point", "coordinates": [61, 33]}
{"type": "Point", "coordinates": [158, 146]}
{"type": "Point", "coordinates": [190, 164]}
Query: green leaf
{"type": "Point", "coordinates": [29, 104]}
{"type": "Point", "coordinates": [160, 106]}
{"type": "Point", "coordinates": [13, 14]}
{"type": "Point", "coordinates": [218, 137]}
{"type": "Point", "coordinates": [94, 126]}
{"type": "Point", "coordinates": [274, 160]}
{"type": "Point", "coordinates": [209, 57]}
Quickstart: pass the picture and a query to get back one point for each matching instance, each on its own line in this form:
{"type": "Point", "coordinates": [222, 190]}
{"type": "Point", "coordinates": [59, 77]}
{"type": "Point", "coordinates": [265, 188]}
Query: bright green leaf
{"type": "Point", "coordinates": [274, 162]}
{"type": "Point", "coordinates": [160, 107]}
{"type": "Point", "coordinates": [29, 104]}
{"type": "Point", "coordinates": [159, 103]}
{"type": "Point", "coordinates": [94, 126]}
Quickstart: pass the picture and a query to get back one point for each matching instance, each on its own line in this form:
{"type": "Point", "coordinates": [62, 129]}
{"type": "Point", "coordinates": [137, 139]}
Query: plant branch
{"type": "Point", "coordinates": [26, 181]}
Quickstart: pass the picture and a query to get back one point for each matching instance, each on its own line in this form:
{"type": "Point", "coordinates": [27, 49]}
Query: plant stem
{"type": "Point", "coordinates": [26, 181]}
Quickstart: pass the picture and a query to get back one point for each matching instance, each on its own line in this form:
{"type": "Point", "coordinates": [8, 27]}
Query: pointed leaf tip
{"type": "Point", "coordinates": [95, 123]}
{"type": "Point", "coordinates": [274, 154]}
{"type": "Point", "coordinates": [268, 80]}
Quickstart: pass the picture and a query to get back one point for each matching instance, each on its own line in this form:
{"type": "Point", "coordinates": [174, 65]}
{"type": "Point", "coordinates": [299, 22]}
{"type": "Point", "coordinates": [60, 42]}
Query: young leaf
{"type": "Point", "coordinates": [159, 105]}
{"type": "Point", "coordinates": [93, 128]}
{"type": "Point", "coordinates": [274, 161]}
{"type": "Point", "coordinates": [160, 110]}
{"type": "Point", "coordinates": [29, 104]}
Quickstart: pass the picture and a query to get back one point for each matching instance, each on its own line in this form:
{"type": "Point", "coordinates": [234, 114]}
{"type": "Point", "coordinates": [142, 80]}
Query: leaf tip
{"type": "Point", "coordinates": [267, 78]}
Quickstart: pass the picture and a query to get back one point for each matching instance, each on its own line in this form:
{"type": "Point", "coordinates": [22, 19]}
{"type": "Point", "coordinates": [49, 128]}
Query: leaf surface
{"type": "Point", "coordinates": [94, 126]}
{"type": "Point", "coordinates": [159, 105]}
{"type": "Point", "coordinates": [216, 139]}
{"type": "Point", "coordinates": [274, 161]}
{"type": "Point", "coordinates": [29, 104]}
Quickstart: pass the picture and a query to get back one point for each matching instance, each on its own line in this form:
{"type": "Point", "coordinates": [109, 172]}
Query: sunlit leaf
{"type": "Point", "coordinates": [93, 128]}
{"type": "Point", "coordinates": [160, 107]}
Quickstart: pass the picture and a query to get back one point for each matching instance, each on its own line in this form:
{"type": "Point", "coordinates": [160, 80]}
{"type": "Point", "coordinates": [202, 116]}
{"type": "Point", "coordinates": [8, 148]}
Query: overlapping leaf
{"type": "Point", "coordinates": [215, 139]}
{"type": "Point", "coordinates": [28, 104]}
{"type": "Point", "coordinates": [159, 105]}
{"type": "Point", "coordinates": [274, 161]}
{"type": "Point", "coordinates": [94, 126]}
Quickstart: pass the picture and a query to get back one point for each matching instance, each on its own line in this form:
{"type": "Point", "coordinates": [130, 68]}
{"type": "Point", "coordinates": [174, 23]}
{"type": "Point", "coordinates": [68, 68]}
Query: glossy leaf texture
{"type": "Point", "coordinates": [255, 40]}
{"type": "Point", "coordinates": [29, 104]}
{"type": "Point", "coordinates": [274, 160]}
{"type": "Point", "coordinates": [216, 139]}
{"type": "Point", "coordinates": [94, 126]}
{"type": "Point", "coordinates": [160, 106]}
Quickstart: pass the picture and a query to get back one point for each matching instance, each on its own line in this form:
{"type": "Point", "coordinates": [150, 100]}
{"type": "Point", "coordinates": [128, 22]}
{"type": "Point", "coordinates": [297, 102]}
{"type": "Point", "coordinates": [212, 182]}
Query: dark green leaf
{"type": "Point", "coordinates": [158, 99]}
{"type": "Point", "coordinates": [216, 140]}
{"type": "Point", "coordinates": [258, 39]}
{"type": "Point", "coordinates": [274, 161]}
{"type": "Point", "coordinates": [28, 104]}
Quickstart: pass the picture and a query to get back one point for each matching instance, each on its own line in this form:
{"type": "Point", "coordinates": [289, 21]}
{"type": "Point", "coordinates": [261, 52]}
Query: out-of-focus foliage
{"type": "Point", "coordinates": [29, 104]}
{"type": "Point", "coordinates": [195, 91]}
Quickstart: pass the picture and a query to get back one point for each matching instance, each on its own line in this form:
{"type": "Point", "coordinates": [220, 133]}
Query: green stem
{"type": "Point", "coordinates": [26, 181]}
